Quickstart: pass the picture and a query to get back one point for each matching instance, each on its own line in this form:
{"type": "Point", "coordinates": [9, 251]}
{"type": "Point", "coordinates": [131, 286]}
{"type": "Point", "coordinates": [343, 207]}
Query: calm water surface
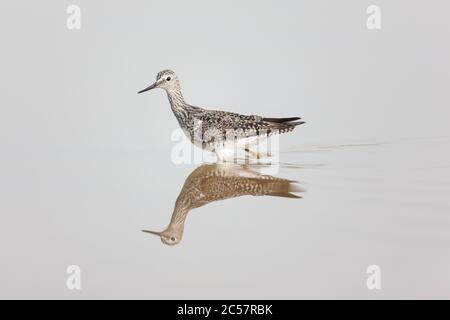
{"type": "Point", "coordinates": [312, 234]}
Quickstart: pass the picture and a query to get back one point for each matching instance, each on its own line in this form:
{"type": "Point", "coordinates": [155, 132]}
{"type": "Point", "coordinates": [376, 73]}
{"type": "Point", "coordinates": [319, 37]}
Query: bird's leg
{"type": "Point", "coordinates": [255, 155]}
{"type": "Point", "coordinates": [267, 153]}
{"type": "Point", "coordinates": [218, 156]}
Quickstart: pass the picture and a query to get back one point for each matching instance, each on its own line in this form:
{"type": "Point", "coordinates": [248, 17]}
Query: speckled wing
{"type": "Point", "coordinates": [243, 126]}
{"type": "Point", "coordinates": [210, 183]}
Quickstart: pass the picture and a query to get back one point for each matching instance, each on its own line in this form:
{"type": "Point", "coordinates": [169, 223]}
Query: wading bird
{"type": "Point", "coordinates": [219, 131]}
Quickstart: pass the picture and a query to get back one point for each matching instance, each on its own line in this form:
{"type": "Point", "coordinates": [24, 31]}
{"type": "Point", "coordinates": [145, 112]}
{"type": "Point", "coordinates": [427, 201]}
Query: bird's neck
{"type": "Point", "coordinates": [176, 99]}
{"type": "Point", "coordinates": [178, 219]}
{"type": "Point", "coordinates": [179, 108]}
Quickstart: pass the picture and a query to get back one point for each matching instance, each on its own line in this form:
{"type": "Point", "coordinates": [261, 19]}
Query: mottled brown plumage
{"type": "Point", "coordinates": [214, 182]}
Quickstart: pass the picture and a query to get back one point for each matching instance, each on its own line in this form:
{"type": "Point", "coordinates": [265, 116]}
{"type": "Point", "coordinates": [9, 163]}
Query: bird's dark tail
{"type": "Point", "coordinates": [293, 121]}
{"type": "Point", "coordinates": [281, 120]}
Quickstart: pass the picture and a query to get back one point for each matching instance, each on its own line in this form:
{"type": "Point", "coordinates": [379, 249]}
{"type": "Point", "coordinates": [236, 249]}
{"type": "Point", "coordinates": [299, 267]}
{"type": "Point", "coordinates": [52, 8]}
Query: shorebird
{"type": "Point", "coordinates": [219, 131]}
{"type": "Point", "coordinates": [214, 182]}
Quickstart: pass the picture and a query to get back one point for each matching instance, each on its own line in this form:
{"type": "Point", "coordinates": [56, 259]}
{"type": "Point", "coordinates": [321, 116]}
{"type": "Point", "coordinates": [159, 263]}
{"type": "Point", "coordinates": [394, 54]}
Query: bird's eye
{"type": "Point", "coordinates": [168, 78]}
{"type": "Point", "coordinates": [173, 238]}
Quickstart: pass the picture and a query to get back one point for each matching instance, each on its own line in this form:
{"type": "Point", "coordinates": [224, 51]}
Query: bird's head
{"type": "Point", "coordinates": [170, 236]}
{"type": "Point", "coordinates": [167, 80]}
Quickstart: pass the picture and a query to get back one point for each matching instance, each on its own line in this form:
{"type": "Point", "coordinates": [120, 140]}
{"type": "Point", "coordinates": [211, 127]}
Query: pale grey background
{"type": "Point", "coordinates": [85, 161]}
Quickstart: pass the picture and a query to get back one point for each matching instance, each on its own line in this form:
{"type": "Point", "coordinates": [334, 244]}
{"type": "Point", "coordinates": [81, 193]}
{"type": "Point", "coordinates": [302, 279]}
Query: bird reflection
{"type": "Point", "coordinates": [213, 182]}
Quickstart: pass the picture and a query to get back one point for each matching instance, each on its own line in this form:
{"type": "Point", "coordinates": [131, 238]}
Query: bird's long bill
{"type": "Point", "coordinates": [149, 88]}
{"type": "Point", "coordinates": [152, 232]}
